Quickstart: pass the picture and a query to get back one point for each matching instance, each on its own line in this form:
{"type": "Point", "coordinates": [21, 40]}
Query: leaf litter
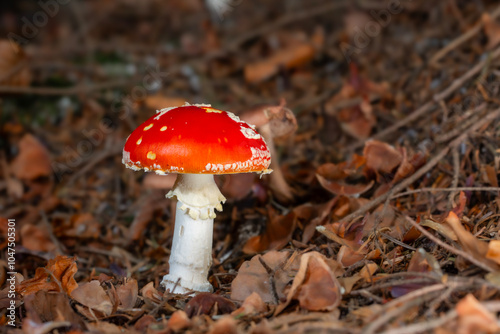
{"type": "Point", "coordinates": [382, 213]}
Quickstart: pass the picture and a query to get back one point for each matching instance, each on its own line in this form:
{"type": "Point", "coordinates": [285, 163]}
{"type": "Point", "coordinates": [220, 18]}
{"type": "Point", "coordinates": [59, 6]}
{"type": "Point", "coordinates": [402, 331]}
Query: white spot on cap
{"type": "Point", "coordinates": [163, 128]}
{"type": "Point", "coordinates": [208, 166]}
{"type": "Point", "coordinates": [249, 133]}
{"type": "Point", "coordinates": [139, 141]}
{"type": "Point", "coordinates": [148, 127]}
{"type": "Point", "coordinates": [151, 155]}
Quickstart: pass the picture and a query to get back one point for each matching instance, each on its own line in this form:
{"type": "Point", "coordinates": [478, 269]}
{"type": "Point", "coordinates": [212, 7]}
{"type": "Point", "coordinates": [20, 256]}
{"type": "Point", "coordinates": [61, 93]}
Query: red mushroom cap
{"type": "Point", "coordinates": [196, 139]}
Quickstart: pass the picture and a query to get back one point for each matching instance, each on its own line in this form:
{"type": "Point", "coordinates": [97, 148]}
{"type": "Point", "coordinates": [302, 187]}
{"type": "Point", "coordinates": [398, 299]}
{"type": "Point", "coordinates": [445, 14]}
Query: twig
{"type": "Point", "coordinates": [284, 20]}
{"type": "Point", "coordinates": [423, 327]}
{"type": "Point", "coordinates": [74, 90]}
{"type": "Point", "coordinates": [421, 190]}
{"type": "Point", "coordinates": [462, 38]}
{"type": "Point", "coordinates": [449, 248]}
{"type": "Point", "coordinates": [463, 125]}
{"type": "Point", "coordinates": [456, 175]}
{"type": "Point", "coordinates": [427, 167]}
{"type": "Point", "coordinates": [456, 84]}
{"type": "Point", "coordinates": [401, 304]}
{"type": "Point", "coordinates": [272, 284]}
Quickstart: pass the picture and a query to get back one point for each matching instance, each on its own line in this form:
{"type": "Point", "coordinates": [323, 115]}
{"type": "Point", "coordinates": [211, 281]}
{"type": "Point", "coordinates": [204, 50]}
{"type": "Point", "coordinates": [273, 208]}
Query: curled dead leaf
{"type": "Point", "coordinates": [381, 157]}
{"type": "Point", "coordinates": [58, 275]}
{"type": "Point", "coordinates": [474, 317]}
{"type": "Point", "coordinates": [33, 160]}
{"type": "Point", "coordinates": [251, 305]}
{"type": "Point", "coordinates": [179, 320]}
{"type": "Point", "coordinates": [93, 296]}
{"type": "Point", "coordinates": [14, 70]}
{"type": "Point", "coordinates": [127, 294]}
{"type": "Point", "coordinates": [315, 285]}
{"type": "Point", "coordinates": [208, 303]}
{"type": "Point", "coordinates": [288, 57]}
{"type": "Point", "coordinates": [269, 283]}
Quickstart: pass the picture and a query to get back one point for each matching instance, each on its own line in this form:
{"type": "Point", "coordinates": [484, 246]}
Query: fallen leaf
{"type": "Point", "coordinates": [151, 296]}
{"type": "Point", "coordinates": [127, 294]}
{"type": "Point", "coordinates": [33, 160]}
{"type": "Point", "coordinates": [225, 325]}
{"type": "Point", "coordinates": [208, 303]}
{"type": "Point", "coordinates": [253, 304]}
{"type": "Point", "coordinates": [93, 296]}
{"type": "Point", "coordinates": [474, 317]}
{"type": "Point", "coordinates": [289, 57]}
{"type": "Point", "coordinates": [477, 248]}
{"type": "Point", "coordinates": [491, 30]}
{"type": "Point", "coordinates": [254, 277]}
{"type": "Point", "coordinates": [57, 276]}
{"type": "Point", "coordinates": [36, 239]}
{"type": "Point", "coordinates": [315, 286]}
{"type": "Point", "coordinates": [493, 252]}
{"type": "Point", "coordinates": [14, 67]}
{"type": "Point", "coordinates": [179, 320]}
{"type": "Point", "coordinates": [43, 306]}
{"type": "Point", "coordinates": [381, 157]}
{"type": "Point", "coordinates": [278, 233]}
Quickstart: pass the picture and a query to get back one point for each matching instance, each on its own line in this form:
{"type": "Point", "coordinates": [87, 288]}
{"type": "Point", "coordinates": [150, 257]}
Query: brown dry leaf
{"type": "Point", "coordinates": [357, 121]}
{"type": "Point", "coordinates": [279, 230]}
{"type": "Point", "coordinates": [127, 294]}
{"type": "Point", "coordinates": [58, 276]}
{"type": "Point", "coordinates": [491, 30]}
{"type": "Point", "coordinates": [33, 160]}
{"type": "Point", "coordinates": [208, 303]}
{"type": "Point", "coordinates": [225, 325]}
{"type": "Point", "coordinates": [253, 304]}
{"type": "Point", "coordinates": [381, 157]}
{"type": "Point", "coordinates": [442, 229]}
{"type": "Point", "coordinates": [469, 242]}
{"type": "Point", "coordinates": [474, 317]}
{"type": "Point", "coordinates": [253, 276]}
{"type": "Point", "coordinates": [494, 251]}
{"type": "Point", "coordinates": [151, 296]}
{"type": "Point", "coordinates": [45, 307]}
{"type": "Point", "coordinates": [83, 225]}
{"type": "Point", "coordinates": [315, 286]}
{"type": "Point", "coordinates": [36, 239]}
{"type": "Point", "coordinates": [333, 177]}
{"type": "Point", "coordinates": [158, 101]}
{"type": "Point", "coordinates": [92, 295]}
{"type": "Point", "coordinates": [179, 320]}
{"type": "Point", "coordinates": [409, 165]}
{"type": "Point", "coordinates": [289, 57]}
{"type": "Point", "coordinates": [14, 69]}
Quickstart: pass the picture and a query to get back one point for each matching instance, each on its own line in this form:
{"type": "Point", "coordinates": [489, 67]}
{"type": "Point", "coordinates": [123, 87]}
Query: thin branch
{"type": "Point", "coordinates": [449, 248]}
{"type": "Point", "coordinates": [423, 170]}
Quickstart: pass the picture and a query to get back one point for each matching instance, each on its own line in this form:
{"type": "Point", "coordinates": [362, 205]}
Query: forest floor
{"type": "Point", "coordinates": [382, 213]}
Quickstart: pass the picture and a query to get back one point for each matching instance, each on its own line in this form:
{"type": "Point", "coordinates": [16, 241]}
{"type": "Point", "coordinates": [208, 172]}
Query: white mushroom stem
{"type": "Point", "coordinates": [191, 254]}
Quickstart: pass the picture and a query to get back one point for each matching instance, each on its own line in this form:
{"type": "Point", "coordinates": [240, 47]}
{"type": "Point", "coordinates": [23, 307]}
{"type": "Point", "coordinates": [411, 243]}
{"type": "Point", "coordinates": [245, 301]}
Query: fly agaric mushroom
{"type": "Point", "coordinates": [195, 141]}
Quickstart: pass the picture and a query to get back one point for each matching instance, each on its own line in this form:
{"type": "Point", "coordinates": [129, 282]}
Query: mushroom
{"type": "Point", "coordinates": [195, 141]}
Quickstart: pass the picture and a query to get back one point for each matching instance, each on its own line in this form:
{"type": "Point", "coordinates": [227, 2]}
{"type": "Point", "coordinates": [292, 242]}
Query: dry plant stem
{"type": "Point", "coordinates": [456, 84]}
{"type": "Point", "coordinates": [288, 18]}
{"type": "Point", "coordinates": [427, 167]}
{"type": "Point", "coordinates": [422, 190]}
{"type": "Point", "coordinates": [449, 248]}
{"type": "Point", "coordinates": [462, 38]}
{"type": "Point", "coordinates": [425, 326]}
{"type": "Point", "coordinates": [462, 126]}
{"type": "Point", "coordinates": [74, 90]}
{"type": "Point", "coordinates": [456, 176]}
{"type": "Point", "coordinates": [400, 305]}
